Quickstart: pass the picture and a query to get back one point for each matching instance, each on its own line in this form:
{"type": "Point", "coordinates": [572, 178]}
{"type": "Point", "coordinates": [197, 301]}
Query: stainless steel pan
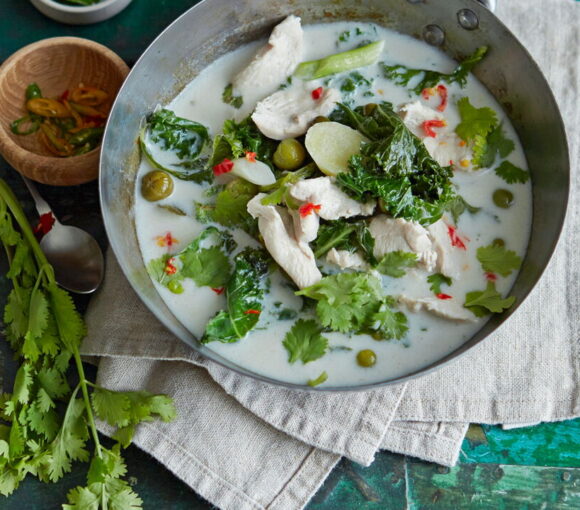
{"type": "Point", "coordinates": [214, 27]}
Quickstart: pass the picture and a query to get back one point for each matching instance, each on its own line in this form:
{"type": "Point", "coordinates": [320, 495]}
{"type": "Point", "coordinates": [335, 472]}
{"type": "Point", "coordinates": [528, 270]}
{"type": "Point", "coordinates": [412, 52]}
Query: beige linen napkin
{"type": "Point", "coordinates": [277, 447]}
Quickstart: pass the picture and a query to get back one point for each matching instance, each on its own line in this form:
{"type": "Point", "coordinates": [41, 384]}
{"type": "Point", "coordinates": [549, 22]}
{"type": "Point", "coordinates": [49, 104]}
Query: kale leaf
{"type": "Point", "coordinates": [244, 295]}
{"type": "Point", "coordinates": [345, 235]}
{"type": "Point", "coordinates": [229, 98]}
{"type": "Point", "coordinates": [458, 205]}
{"type": "Point", "coordinates": [179, 143]}
{"type": "Point", "coordinates": [394, 167]}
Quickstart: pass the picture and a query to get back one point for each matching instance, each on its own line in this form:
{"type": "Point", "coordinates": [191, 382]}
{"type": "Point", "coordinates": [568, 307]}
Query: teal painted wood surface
{"type": "Point", "coordinates": [522, 469]}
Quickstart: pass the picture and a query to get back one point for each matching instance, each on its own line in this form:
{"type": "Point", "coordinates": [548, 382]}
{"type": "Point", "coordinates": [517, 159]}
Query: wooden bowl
{"type": "Point", "coordinates": [56, 65]}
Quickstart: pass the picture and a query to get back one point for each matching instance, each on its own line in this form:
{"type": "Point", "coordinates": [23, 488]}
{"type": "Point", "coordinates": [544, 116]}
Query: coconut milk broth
{"type": "Point", "coordinates": [429, 338]}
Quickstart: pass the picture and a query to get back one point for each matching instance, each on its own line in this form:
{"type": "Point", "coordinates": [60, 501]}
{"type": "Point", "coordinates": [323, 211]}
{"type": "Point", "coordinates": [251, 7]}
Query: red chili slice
{"type": "Point", "coordinates": [219, 290]}
{"type": "Point", "coordinates": [492, 277]}
{"type": "Point", "coordinates": [455, 239]}
{"type": "Point", "coordinates": [427, 93]}
{"type": "Point", "coordinates": [224, 167]}
{"type": "Point", "coordinates": [442, 91]}
{"type": "Point", "coordinates": [308, 208]}
{"type": "Point", "coordinates": [428, 126]}
{"type": "Point", "coordinates": [317, 93]}
{"type": "Point", "coordinates": [64, 95]}
{"type": "Point", "coordinates": [443, 296]}
{"type": "Point", "coordinates": [45, 223]}
{"type": "Point", "coordinates": [169, 267]}
{"type": "Point", "coordinates": [252, 312]}
{"type": "Point", "coordinates": [251, 156]}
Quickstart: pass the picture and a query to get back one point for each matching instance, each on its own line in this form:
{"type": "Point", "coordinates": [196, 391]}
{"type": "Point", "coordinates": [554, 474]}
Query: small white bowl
{"type": "Point", "coordinates": [80, 15]}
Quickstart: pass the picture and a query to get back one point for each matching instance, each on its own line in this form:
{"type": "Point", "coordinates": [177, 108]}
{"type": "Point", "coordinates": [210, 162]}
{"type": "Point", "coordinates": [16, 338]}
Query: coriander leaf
{"type": "Point", "coordinates": [482, 302]}
{"type": "Point", "coordinates": [16, 315]}
{"type": "Point", "coordinates": [388, 323]}
{"type": "Point", "coordinates": [22, 383]}
{"type": "Point", "coordinates": [229, 98]}
{"type": "Point", "coordinates": [279, 188]}
{"type": "Point", "coordinates": [71, 327]}
{"type": "Point", "coordinates": [81, 498]}
{"type": "Point", "coordinates": [46, 423]}
{"type": "Point", "coordinates": [43, 400]}
{"type": "Point", "coordinates": [436, 280]}
{"type": "Point", "coordinates": [402, 75]}
{"type": "Point", "coordinates": [511, 173]}
{"type": "Point", "coordinates": [244, 295]}
{"type": "Point", "coordinates": [53, 382]}
{"type": "Point", "coordinates": [304, 342]}
{"type": "Point", "coordinates": [394, 263]}
{"type": "Point", "coordinates": [230, 207]}
{"type": "Point", "coordinates": [111, 406]}
{"type": "Point", "coordinates": [497, 259]}
{"type": "Point", "coordinates": [474, 121]}
{"type": "Point", "coordinates": [38, 314]}
{"type": "Point", "coordinates": [344, 299]}
{"type": "Point", "coordinates": [458, 205]}
{"type": "Point", "coordinates": [495, 144]}
{"type": "Point", "coordinates": [323, 377]}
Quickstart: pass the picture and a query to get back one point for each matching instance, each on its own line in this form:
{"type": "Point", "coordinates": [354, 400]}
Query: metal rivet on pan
{"type": "Point", "coordinates": [467, 19]}
{"type": "Point", "coordinates": [433, 35]}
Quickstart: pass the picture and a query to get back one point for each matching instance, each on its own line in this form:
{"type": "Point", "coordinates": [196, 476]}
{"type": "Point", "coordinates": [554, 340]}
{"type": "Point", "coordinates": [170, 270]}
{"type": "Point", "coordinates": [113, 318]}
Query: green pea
{"type": "Point", "coordinates": [366, 358]}
{"type": "Point", "coordinates": [175, 287]}
{"type": "Point", "coordinates": [503, 198]}
{"type": "Point", "coordinates": [156, 185]}
{"type": "Point", "coordinates": [498, 242]}
{"type": "Point", "coordinates": [289, 155]}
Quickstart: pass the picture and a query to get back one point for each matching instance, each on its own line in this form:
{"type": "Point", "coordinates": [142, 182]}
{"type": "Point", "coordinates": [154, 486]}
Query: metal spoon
{"type": "Point", "coordinates": [74, 254]}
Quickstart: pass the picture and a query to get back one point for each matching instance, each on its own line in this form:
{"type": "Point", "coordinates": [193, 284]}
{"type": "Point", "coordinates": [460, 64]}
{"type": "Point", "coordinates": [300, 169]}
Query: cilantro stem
{"type": "Point", "coordinates": [89, 409]}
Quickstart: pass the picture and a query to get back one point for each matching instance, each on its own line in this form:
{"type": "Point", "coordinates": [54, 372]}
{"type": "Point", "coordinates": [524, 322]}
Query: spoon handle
{"type": "Point", "coordinates": [41, 206]}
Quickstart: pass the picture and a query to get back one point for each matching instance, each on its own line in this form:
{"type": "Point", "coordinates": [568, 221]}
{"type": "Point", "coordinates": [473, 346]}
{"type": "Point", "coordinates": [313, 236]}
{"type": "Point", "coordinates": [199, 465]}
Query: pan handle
{"type": "Point", "coordinates": [490, 4]}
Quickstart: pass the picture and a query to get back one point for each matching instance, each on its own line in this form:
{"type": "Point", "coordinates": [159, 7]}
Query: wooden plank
{"type": "Point", "coordinates": [492, 486]}
{"type": "Point", "coordinates": [547, 444]}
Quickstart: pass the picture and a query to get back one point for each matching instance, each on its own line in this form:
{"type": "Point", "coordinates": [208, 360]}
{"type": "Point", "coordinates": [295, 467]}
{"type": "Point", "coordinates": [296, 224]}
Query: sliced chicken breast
{"type": "Point", "coordinates": [392, 234]}
{"type": "Point", "coordinates": [277, 230]}
{"type": "Point", "coordinates": [334, 203]}
{"type": "Point", "coordinates": [446, 308]}
{"type": "Point", "coordinates": [451, 260]}
{"type": "Point", "coordinates": [289, 113]}
{"type": "Point", "coordinates": [305, 227]}
{"type": "Point", "coordinates": [274, 62]}
{"type": "Point", "coordinates": [346, 259]}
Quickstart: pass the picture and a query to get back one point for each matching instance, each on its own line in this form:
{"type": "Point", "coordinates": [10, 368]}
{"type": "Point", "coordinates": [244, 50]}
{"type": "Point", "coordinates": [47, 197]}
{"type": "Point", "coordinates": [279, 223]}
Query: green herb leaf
{"type": "Point", "coordinates": [436, 280]}
{"type": "Point", "coordinates": [483, 302]}
{"type": "Point", "coordinates": [323, 377]}
{"type": "Point", "coordinates": [387, 323]}
{"type": "Point", "coordinates": [474, 121]}
{"type": "Point", "coordinates": [229, 98]}
{"type": "Point", "coordinates": [279, 188]}
{"type": "Point", "coordinates": [244, 295]}
{"type": "Point", "coordinates": [111, 406]}
{"type": "Point", "coordinates": [495, 144]}
{"type": "Point", "coordinates": [402, 75]}
{"type": "Point", "coordinates": [394, 263]}
{"type": "Point", "coordinates": [394, 167]}
{"type": "Point", "coordinates": [458, 205]}
{"type": "Point", "coordinates": [304, 342]}
{"type": "Point", "coordinates": [511, 174]}
{"type": "Point", "coordinates": [497, 259]}
{"type": "Point", "coordinates": [345, 300]}
{"type": "Point", "coordinates": [345, 235]}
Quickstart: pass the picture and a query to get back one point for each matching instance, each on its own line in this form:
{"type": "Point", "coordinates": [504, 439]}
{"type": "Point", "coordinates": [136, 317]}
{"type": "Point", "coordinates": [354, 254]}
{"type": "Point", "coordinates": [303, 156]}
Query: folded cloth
{"type": "Point", "coordinates": [246, 444]}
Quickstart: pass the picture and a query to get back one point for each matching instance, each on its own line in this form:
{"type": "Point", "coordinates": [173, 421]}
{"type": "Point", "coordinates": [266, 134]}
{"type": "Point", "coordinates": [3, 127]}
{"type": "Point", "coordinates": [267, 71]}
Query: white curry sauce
{"type": "Point", "coordinates": [429, 337]}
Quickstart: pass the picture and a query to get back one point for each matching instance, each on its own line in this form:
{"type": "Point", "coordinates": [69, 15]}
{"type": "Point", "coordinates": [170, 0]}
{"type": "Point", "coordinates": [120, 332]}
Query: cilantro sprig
{"type": "Point", "coordinates": [394, 263]}
{"type": "Point", "coordinates": [45, 331]}
{"type": "Point", "coordinates": [498, 259]}
{"type": "Point", "coordinates": [436, 280]}
{"type": "Point", "coordinates": [304, 342]}
{"type": "Point", "coordinates": [484, 302]}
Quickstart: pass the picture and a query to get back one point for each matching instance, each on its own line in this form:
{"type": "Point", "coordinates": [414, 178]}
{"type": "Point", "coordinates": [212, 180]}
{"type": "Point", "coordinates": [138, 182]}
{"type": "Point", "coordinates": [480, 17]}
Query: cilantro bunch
{"type": "Point", "coordinates": [47, 424]}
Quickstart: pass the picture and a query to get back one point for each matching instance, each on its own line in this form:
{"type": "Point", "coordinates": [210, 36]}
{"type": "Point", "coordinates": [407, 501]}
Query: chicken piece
{"type": "Point", "coordinates": [401, 235]}
{"type": "Point", "coordinates": [445, 308]}
{"type": "Point", "coordinates": [451, 260]}
{"type": "Point", "coordinates": [334, 203]}
{"type": "Point", "coordinates": [415, 114]}
{"type": "Point", "coordinates": [296, 258]}
{"type": "Point", "coordinates": [346, 259]}
{"type": "Point", "coordinates": [274, 62]}
{"type": "Point", "coordinates": [448, 149]}
{"type": "Point", "coordinates": [289, 113]}
{"type": "Point", "coordinates": [305, 227]}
